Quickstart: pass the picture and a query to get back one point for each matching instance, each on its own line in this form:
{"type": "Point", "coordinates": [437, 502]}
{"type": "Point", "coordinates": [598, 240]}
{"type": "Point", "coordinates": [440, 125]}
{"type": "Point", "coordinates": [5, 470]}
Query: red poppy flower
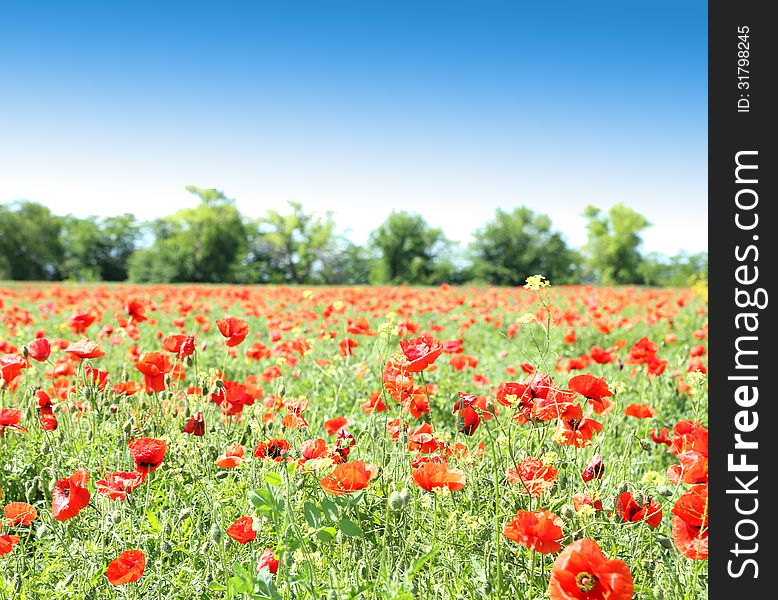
{"type": "Point", "coordinates": [347, 346]}
{"type": "Point", "coordinates": [70, 495]}
{"type": "Point", "coordinates": [100, 378]}
{"type": "Point", "coordinates": [642, 508]}
{"type": "Point", "coordinates": [462, 361]}
{"type": "Point", "coordinates": [420, 352]}
{"type": "Point", "coordinates": [422, 439]}
{"type": "Point", "coordinates": [9, 419]}
{"type": "Point", "coordinates": [583, 572]}
{"type": "Point", "coordinates": [575, 430]}
{"type": "Point", "coordinates": [661, 436]}
{"type": "Point", "coordinates": [154, 366]}
{"type": "Point", "coordinates": [690, 523]}
{"type": "Point", "coordinates": [117, 485]}
{"type": "Point", "coordinates": [84, 349]}
{"type": "Point", "coordinates": [20, 513]}
{"type": "Point", "coordinates": [453, 346]}
{"type": "Point", "coordinates": [195, 425]}
{"type": "Point", "coordinates": [639, 411]}
{"type": "Point", "coordinates": [468, 418]}
{"type": "Point", "coordinates": [232, 457]}
{"type": "Point", "coordinates": [268, 560]}
{"type": "Point", "coordinates": [594, 389]}
{"type": "Point", "coordinates": [7, 543]}
{"type": "Point", "coordinates": [533, 475]}
{"type": "Point", "coordinates": [332, 426]}
{"type": "Point", "coordinates": [359, 326]}
{"type": "Point", "coordinates": [432, 475]}
{"type": "Point", "coordinates": [373, 404]}
{"type": "Point", "coordinates": [11, 366]}
{"type": "Point", "coordinates": [79, 322]}
{"type": "Point", "coordinates": [136, 310]}
{"type": "Point", "coordinates": [348, 478]}
{"type": "Point", "coordinates": [642, 352]}
{"type": "Point", "coordinates": [276, 449]}
{"type": "Point", "coordinates": [180, 345]}
{"type": "Point", "coordinates": [581, 499]}
{"type": "Point", "coordinates": [126, 568]}
{"type": "Point", "coordinates": [594, 469]}
{"type": "Point", "coordinates": [689, 435]}
{"type": "Point", "coordinates": [540, 531]}
{"type": "Point", "coordinates": [244, 529]}
{"type": "Point", "coordinates": [235, 330]}
{"type": "Point", "coordinates": [39, 349]}
{"type": "Point", "coordinates": [147, 454]}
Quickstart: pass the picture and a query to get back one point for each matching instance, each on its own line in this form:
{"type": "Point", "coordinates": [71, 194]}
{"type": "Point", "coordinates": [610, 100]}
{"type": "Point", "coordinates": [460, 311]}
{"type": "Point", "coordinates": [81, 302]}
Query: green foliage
{"type": "Point", "coordinates": [293, 247]}
{"type": "Point", "coordinates": [676, 271]}
{"type": "Point", "coordinates": [98, 249]}
{"type": "Point", "coordinates": [30, 244]}
{"type": "Point", "coordinates": [214, 243]}
{"type": "Point", "coordinates": [520, 243]}
{"type": "Point", "coordinates": [408, 250]}
{"type": "Point", "coordinates": [614, 242]}
{"type": "Point", "coordinates": [201, 244]}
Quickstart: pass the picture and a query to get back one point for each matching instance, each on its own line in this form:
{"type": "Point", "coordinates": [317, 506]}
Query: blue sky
{"type": "Point", "coordinates": [450, 109]}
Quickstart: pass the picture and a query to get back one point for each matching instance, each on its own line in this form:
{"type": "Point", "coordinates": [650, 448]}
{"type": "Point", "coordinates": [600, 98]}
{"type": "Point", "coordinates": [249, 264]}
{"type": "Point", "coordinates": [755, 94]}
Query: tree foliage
{"type": "Point", "coordinates": [213, 242]}
{"type": "Point", "coordinates": [200, 244]}
{"type": "Point", "coordinates": [613, 246]}
{"type": "Point", "coordinates": [408, 249]}
{"type": "Point", "coordinates": [30, 243]}
{"type": "Point", "coordinates": [517, 244]}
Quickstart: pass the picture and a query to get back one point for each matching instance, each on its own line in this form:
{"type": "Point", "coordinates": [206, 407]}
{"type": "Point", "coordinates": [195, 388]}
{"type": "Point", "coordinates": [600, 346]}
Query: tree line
{"type": "Point", "coordinates": [214, 243]}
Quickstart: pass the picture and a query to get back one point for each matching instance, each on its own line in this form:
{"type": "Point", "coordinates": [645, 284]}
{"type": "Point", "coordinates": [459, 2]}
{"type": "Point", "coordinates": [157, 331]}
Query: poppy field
{"type": "Point", "coordinates": [198, 441]}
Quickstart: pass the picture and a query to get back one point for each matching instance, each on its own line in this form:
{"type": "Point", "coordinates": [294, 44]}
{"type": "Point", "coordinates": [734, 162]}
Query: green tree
{"type": "Point", "coordinates": [292, 247]}
{"type": "Point", "coordinates": [613, 248]}
{"type": "Point", "coordinates": [675, 271]}
{"type": "Point", "coordinates": [201, 244]}
{"type": "Point", "coordinates": [98, 249]}
{"type": "Point", "coordinates": [517, 244]}
{"type": "Point", "coordinates": [408, 248]}
{"type": "Point", "coordinates": [30, 245]}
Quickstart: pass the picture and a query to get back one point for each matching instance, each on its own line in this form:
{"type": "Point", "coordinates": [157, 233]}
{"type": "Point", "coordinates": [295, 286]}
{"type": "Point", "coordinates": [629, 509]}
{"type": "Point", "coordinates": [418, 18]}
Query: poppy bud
{"type": "Point", "coordinates": [41, 531]}
{"type": "Point", "coordinates": [666, 543]}
{"type": "Point", "coordinates": [189, 361]}
{"type": "Point", "coordinates": [219, 383]}
{"type": "Point", "coordinates": [165, 548]}
{"type": "Point", "coordinates": [567, 512]}
{"type": "Point", "coordinates": [624, 487]}
{"type": "Point", "coordinates": [127, 427]}
{"type": "Point", "coordinates": [25, 352]}
{"type": "Point", "coordinates": [645, 445]}
{"type": "Point", "coordinates": [185, 513]}
{"type": "Point", "coordinates": [114, 409]}
{"type": "Point", "coordinates": [216, 533]}
{"type": "Point", "coordinates": [395, 501]}
{"type": "Point", "coordinates": [281, 390]}
{"type": "Point", "coordinates": [405, 495]}
{"type": "Point", "coordinates": [665, 491]}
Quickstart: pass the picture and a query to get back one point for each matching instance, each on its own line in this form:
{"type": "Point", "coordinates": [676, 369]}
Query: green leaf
{"type": "Point", "coordinates": [312, 514]}
{"type": "Point", "coordinates": [349, 528]}
{"type": "Point", "coordinates": [217, 587]}
{"type": "Point", "coordinates": [257, 501]}
{"type": "Point", "coordinates": [326, 534]}
{"type": "Point", "coordinates": [330, 509]}
{"type": "Point", "coordinates": [273, 478]}
{"type": "Point", "coordinates": [153, 521]}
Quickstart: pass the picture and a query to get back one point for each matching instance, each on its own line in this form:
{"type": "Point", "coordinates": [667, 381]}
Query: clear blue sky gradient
{"type": "Point", "coordinates": [451, 109]}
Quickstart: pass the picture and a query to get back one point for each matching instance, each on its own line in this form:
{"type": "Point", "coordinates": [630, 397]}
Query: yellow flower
{"type": "Point", "coordinates": [536, 283]}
